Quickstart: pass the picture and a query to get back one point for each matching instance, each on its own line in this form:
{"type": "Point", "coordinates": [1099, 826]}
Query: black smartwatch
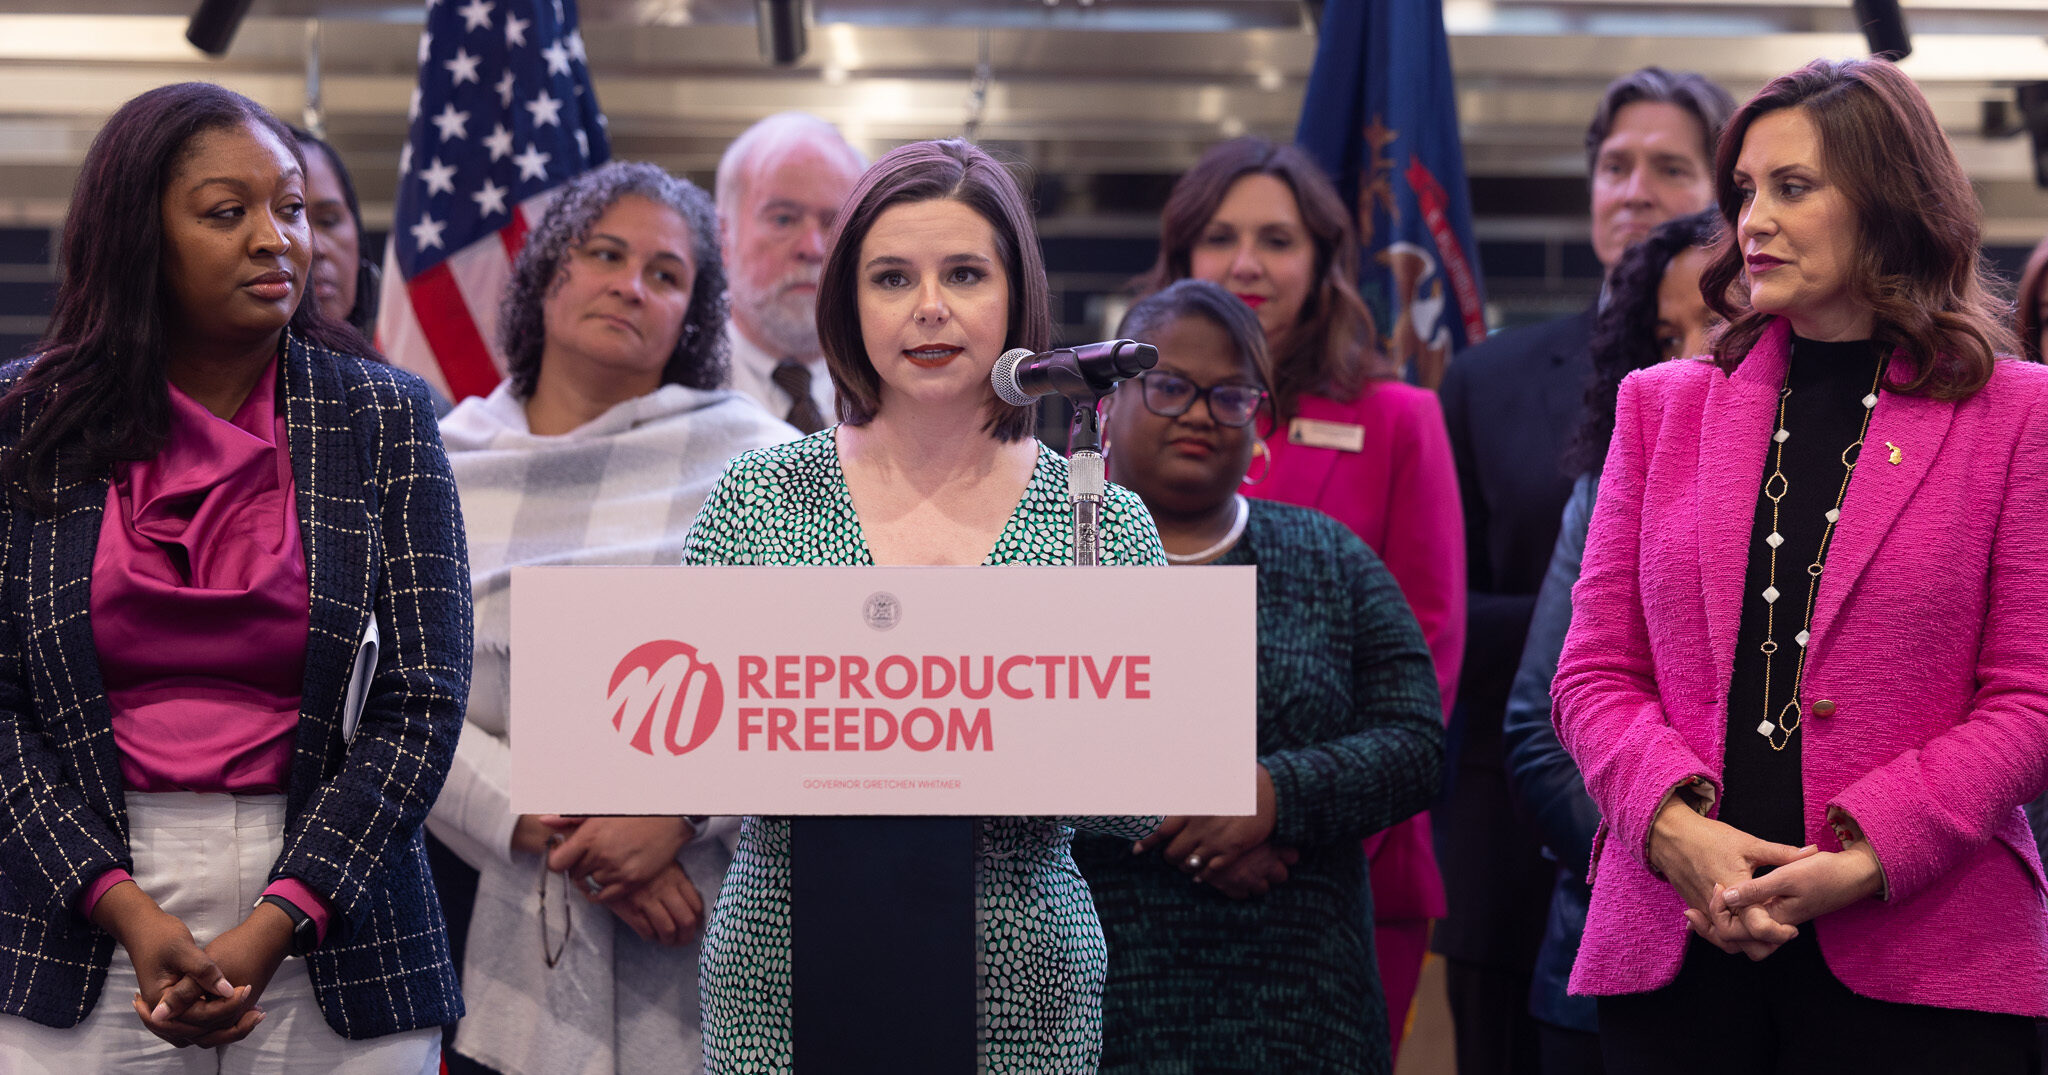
{"type": "Point", "coordinates": [305, 937]}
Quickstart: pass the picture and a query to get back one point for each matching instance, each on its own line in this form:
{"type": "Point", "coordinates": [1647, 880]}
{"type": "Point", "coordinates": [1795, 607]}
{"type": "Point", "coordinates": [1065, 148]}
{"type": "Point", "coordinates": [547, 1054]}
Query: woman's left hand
{"type": "Point", "coordinates": [249, 955]}
{"type": "Point", "coordinates": [1253, 873]}
{"type": "Point", "coordinates": [667, 910]}
{"type": "Point", "coordinates": [1202, 845]}
{"type": "Point", "coordinates": [618, 853]}
{"type": "Point", "coordinates": [1804, 890]}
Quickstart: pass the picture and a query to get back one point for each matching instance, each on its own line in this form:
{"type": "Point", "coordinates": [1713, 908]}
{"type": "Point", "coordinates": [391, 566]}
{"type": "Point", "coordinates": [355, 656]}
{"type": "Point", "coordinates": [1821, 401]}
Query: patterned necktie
{"type": "Point", "coordinates": [794, 378]}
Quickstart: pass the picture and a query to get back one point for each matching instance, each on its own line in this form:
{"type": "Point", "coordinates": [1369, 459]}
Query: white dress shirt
{"type": "Point", "coordinates": [753, 374]}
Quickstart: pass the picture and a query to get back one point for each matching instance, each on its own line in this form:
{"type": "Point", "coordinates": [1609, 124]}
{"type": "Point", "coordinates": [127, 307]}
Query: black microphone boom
{"type": "Point", "coordinates": [1084, 374]}
{"type": "Point", "coordinates": [1884, 28]}
{"type": "Point", "coordinates": [213, 26]}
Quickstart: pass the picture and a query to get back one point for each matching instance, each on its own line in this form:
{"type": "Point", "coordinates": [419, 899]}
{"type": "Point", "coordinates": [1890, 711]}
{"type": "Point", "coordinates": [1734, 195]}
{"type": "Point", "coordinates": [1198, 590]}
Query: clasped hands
{"type": "Point", "coordinates": [1233, 855]}
{"type": "Point", "coordinates": [1712, 865]}
{"type": "Point", "coordinates": [186, 994]}
{"type": "Point", "coordinates": [626, 864]}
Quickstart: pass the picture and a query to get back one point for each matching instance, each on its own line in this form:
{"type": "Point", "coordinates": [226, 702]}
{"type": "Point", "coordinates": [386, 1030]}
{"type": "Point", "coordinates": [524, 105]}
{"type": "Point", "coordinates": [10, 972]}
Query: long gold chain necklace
{"type": "Point", "coordinates": [1786, 720]}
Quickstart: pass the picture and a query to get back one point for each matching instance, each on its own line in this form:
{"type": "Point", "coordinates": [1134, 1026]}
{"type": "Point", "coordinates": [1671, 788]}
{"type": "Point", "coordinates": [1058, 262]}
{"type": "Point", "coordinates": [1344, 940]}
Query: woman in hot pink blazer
{"type": "Point", "coordinates": [1348, 439]}
{"type": "Point", "coordinates": [1909, 680]}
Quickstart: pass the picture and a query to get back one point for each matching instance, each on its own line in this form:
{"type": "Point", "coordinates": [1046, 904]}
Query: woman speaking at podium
{"type": "Point", "coordinates": [954, 923]}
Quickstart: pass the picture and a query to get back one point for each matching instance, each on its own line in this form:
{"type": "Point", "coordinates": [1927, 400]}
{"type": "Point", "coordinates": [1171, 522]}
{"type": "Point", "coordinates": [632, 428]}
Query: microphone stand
{"type": "Point", "coordinates": [1085, 481]}
{"type": "Point", "coordinates": [1083, 375]}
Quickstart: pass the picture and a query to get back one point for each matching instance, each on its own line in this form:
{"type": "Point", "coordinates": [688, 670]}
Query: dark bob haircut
{"type": "Point", "coordinates": [1334, 347]}
{"type": "Point", "coordinates": [955, 170]}
{"type": "Point", "coordinates": [699, 360]}
{"type": "Point", "coordinates": [1700, 96]}
{"type": "Point", "coordinates": [1917, 264]}
{"type": "Point", "coordinates": [363, 315]}
{"type": "Point", "coordinates": [102, 371]}
{"type": "Point", "coordinates": [1625, 332]}
{"type": "Point", "coordinates": [1200, 298]}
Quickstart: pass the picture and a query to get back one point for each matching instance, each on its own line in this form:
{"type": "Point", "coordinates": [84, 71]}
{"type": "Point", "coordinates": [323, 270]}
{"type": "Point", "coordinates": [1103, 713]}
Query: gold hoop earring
{"type": "Point", "coordinates": [1259, 451]}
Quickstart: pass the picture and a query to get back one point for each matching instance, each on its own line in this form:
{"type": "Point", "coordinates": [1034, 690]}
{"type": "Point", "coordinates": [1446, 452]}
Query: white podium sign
{"type": "Point", "coordinates": [883, 690]}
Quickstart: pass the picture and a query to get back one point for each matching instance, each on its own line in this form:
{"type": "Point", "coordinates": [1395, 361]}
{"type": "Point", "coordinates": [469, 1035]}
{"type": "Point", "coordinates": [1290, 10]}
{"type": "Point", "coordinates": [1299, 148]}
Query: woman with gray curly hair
{"type": "Point", "coordinates": [597, 449]}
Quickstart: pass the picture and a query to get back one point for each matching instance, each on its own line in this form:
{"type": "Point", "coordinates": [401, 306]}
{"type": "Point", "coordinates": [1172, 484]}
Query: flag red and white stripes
{"type": "Point", "coordinates": [503, 114]}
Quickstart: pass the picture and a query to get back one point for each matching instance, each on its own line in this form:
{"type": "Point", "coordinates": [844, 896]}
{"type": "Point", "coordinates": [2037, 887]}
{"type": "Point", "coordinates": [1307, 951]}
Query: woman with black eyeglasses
{"type": "Point", "coordinates": [1341, 434]}
{"type": "Point", "coordinates": [1245, 944]}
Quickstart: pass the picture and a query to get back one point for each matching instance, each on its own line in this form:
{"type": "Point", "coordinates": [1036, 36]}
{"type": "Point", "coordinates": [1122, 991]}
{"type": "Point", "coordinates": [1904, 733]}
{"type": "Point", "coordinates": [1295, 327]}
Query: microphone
{"type": "Point", "coordinates": [1085, 373]}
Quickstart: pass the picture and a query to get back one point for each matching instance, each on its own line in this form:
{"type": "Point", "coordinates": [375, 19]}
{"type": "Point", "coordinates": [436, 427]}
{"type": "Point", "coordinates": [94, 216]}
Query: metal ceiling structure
{"type": "Point", "coordinates": [1106, 100]}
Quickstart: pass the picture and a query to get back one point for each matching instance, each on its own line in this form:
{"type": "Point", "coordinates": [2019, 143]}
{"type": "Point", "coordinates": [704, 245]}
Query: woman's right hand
{"type": "Point", "coordinates": [530, 835]}
{"type": "Point", "coordinates": [1699, 856]}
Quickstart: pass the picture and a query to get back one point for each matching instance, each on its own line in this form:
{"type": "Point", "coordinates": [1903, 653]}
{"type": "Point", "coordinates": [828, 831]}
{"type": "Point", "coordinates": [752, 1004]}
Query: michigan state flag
{"type": "Point", "coordinates": [1381, 117]}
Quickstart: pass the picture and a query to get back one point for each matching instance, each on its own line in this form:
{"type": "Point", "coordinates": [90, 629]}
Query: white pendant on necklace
{"type": "Point", "coordinates": [1776, 539]}
{"type": "Point", "coordinates": [1765, 729]}
{"type": "Point", "coordinates": [1834, 515]}
{"type": "Point", "coordinates": [1870, 401]}
{"type": "Point", "coordinates": [1771, 595]}
{"type": "Point", "coordinates": [1781, 436]}
{"type": "Point", "coordinates": [1801, 638]}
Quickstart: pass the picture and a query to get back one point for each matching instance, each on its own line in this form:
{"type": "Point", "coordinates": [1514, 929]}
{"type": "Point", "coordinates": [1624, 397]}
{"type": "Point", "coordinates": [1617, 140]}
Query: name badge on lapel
{"type": "Point", "coordinates": [1317, 433]}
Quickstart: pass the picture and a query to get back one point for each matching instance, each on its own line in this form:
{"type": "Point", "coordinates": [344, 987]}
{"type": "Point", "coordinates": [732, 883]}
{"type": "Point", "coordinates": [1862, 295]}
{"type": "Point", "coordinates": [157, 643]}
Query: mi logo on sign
{"type": "Point", "coordinates": [664, 682]}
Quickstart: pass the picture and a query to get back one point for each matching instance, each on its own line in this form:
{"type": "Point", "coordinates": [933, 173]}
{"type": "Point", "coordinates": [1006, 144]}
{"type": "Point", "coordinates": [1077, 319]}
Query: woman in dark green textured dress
{"type": "Point", "coordinates": [1244, 944]}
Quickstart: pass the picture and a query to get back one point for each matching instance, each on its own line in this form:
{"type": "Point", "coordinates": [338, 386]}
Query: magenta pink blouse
{"type": "Point", "coordinates": [1381, 465]}
{"type": "Point", "coordinates": [200, 610]}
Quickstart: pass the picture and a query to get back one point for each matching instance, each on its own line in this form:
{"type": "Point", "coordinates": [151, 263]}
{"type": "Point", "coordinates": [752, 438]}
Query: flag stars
{"type": "Point", "coordinates": [575, 40]}
{"type": "Point", "coordinates": [533, 164]}
{"type": "Point", "coordinates": [426, 47]}
{"type": "Point", "coordinates": [405, 160]}
{"type": "Point", "coordinates": [463, 67]}
{"type": "Point", "coordinates": [476, 15]}
{"type": "Point", "coordinates": [412, 111]}
{"type": "Point", "coordinates": [583, 144]}
{"type": "Point", "coordinates": [504, 89]}
{"type": "Point", "coordinates": [427, 233]}
{"type": "Point", "coordinates": [499, 142]}
{"type": "Point", "coordinates": [557, 58]}
{"type": "Point", "coordinates": [491, 199]}
{"type": "Point", "coordinates": [546, 110]}
{"type": "Point", "coordinates": [515, 30]}
{"type": "Point", "coordinates": [440, 178]}
{"type": "Point", "coordinates": [453, 124]}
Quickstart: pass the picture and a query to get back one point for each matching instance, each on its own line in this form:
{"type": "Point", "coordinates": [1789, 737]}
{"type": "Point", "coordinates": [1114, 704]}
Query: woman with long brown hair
{"type": "Point", "coordinates": [1804, 678]}
{"type": "Point", "coordinates": [234, 649]}
{"type": "Point", "coordinates": [1342, 436]}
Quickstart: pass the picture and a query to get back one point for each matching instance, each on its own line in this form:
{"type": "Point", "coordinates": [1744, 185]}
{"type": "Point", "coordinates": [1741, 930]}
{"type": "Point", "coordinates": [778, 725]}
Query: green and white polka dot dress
{"type": "Point", "coordinates": [1041, 958]}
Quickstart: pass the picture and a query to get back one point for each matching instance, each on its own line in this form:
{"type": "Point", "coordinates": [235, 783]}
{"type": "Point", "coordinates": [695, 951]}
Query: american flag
{"type": "Point", "coordinates": [503, 114]}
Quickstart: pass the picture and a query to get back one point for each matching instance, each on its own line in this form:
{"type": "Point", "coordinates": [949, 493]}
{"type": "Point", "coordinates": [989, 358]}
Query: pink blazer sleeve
{"type": "Point", "coordinates": [1608, 712]}
{"type": "Point", "coordinates": [1930, 808]}
{"type": "Point", "coordinates": [1424, 547]}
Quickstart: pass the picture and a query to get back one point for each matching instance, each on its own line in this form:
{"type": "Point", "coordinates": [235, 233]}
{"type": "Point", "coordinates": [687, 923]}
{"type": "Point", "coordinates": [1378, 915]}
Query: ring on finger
{"type": "Point", "coordinates": [591, 883]}
{"type": "Point", "coordinates": [1195, 861]}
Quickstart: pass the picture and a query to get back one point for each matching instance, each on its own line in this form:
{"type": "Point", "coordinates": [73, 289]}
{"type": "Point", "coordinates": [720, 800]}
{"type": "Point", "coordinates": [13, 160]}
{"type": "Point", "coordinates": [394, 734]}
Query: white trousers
{"type": "Point", "coordinates": [205, 858]}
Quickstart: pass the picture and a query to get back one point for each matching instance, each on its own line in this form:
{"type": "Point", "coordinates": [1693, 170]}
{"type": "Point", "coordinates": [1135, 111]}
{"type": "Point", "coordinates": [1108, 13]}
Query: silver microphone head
{"type": "Point", "coordinates": [1003, 377]}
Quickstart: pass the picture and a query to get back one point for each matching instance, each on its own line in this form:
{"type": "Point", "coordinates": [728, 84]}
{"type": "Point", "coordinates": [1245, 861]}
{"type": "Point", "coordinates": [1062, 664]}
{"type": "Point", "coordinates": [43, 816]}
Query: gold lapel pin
{"type": "Point", "coordinates": [1896, 454]}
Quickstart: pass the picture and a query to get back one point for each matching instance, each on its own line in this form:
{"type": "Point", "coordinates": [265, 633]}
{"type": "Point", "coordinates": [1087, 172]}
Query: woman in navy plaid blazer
{"type": "Point", "coordinates": [129, 885]}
